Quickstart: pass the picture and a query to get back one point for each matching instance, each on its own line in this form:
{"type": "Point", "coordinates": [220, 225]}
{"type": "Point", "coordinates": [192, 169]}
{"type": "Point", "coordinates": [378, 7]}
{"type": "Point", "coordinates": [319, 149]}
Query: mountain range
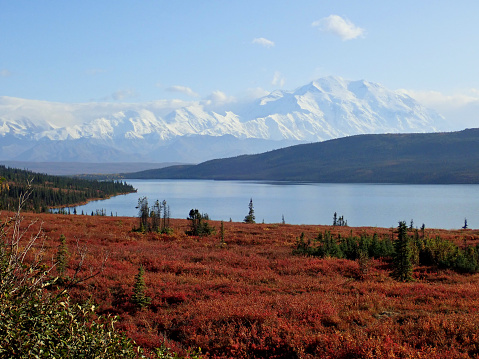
{"type": "Point", "coordinates": [192, 132]}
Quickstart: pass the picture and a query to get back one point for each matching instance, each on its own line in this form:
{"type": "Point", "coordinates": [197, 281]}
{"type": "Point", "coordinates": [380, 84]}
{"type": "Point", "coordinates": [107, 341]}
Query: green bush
{"type": "Point", "coordinates": [37, 323]}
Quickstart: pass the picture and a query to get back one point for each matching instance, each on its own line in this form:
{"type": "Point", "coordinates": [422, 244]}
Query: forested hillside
{"type": "Point", "coordinates": [390, 158]}
{"type": "Point", "coordinates": [53, 191]}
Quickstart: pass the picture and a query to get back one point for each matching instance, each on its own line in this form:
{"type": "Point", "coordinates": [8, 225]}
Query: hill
{"type": "Point", "coordinates": [389, 158]}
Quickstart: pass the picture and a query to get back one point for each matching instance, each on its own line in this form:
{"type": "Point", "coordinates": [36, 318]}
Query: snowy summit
{"type": "Point", "coordinates": [327, 108]}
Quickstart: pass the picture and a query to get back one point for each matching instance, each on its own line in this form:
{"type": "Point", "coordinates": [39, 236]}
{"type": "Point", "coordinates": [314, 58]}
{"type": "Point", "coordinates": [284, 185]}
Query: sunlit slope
{"type": "Point", "coordinates": [390, 158]}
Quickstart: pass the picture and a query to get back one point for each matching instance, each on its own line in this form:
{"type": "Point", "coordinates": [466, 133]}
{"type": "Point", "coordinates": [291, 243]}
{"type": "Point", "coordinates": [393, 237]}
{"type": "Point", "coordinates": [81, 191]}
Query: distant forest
{"type": "Point", "coordinates": [53, 191]}
{"type": "Point", "coordinates": [427, 158]}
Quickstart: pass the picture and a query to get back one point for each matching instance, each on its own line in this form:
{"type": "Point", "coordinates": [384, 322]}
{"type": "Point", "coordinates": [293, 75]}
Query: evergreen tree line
{"type": "Point", "coordinates": [408, 249]}
{"type": "Point", "coordinates": [53, 191]}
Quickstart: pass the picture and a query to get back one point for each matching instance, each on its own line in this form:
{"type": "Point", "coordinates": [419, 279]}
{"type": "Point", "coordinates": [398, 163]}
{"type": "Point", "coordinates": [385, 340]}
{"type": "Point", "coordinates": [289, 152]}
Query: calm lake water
{"type": "Point", "coordinates": [374, 205]}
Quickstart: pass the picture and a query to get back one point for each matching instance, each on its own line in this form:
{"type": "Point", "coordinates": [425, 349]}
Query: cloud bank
{"type": "Point", "coordinates": [121, 95]}
{"type": "Point", "coordinates": [182, 89]}
{"type": "Point", "coordinates": [336, 25]}
{"type": "Point", "coordinates": [461, 110]}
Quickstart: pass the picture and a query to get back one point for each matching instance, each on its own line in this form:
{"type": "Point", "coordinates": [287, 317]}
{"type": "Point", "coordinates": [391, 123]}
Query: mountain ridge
{"type": "Point", "coordinates": [431, 158]}
{"type": "Point", "coordinates": [324, 109]}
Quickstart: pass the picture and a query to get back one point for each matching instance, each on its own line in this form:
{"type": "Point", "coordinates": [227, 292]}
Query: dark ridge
{"type": "Point", "coordinates": [451, 157]}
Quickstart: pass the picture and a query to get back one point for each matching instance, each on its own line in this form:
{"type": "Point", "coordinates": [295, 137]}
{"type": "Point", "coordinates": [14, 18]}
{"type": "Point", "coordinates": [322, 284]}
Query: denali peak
{"type": "Point", "coordinates": [326, 108]}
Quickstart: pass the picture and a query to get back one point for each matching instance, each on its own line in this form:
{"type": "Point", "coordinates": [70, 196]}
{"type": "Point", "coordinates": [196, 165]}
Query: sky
{"type": "Point", "coordinates": [228, 51]}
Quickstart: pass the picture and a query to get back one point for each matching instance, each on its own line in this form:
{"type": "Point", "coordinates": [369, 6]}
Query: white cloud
{"type": "Point", "coordinates": [182, 89]}
{"type": "Point", "coordinates": [339, 26]}
{"type": "Point", "coordinates": [5, 73]}
{"type": "Point", "coordinates": [461, 109]}
{"type": "Point", "coordinates": [220, 97]}
{"type": "Point", "coordinates": [263, 42]}
{"type": "Point", "coordinates": [254, 93]}
{"type": "Point", "coordinates": [434, 98]}
{"type": "Point", "coordinates": [278, 79]}
{"type": "Point", "coordinates": [121, 95]}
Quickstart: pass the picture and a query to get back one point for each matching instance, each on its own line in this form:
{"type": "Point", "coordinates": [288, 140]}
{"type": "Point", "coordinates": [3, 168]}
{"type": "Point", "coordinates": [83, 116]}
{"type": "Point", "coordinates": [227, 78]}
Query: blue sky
{"type": "Point", "coordinates": [138, 51]}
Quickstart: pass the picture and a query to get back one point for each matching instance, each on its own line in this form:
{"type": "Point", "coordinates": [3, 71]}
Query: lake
{"type": "Point", "coordinates": [372, 205]}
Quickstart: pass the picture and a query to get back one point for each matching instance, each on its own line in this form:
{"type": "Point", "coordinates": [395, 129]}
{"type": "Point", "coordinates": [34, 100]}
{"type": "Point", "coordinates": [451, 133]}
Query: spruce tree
{"type": "Point", "coordinates": [139, 298]}
{"type": "Point", "coordinates": [403, 265]}
{"type": "Point", "coordinates": [250, 218]}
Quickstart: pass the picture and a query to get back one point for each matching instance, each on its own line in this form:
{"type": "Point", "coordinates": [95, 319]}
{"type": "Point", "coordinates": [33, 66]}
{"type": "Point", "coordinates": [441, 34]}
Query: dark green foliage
{"type": "Point", "coordinates": [198, 224]}
{"type": "Point", "coordinates": [406, 251]}
{"type": "Point", "coordinates": [250, 218]}
{"type": "Point", "coordinates": [53, 191]}
{"type": "Point", "coordinates": [467, 260]}
{"type": "Point", "coordinates": [403, 264]}
{"type": "Point", "coordinates": [303, 246]}
{"type": "Point", "coordinates": [386, 158]}
{"type": "Point", "coordinates": [445, 254]}
{"type": "Point", "coordinates": [380, 248]}
{"type": "Point", "coordinates": [139, 298]}
{"type": "Point", "coordinates": [327, 245]}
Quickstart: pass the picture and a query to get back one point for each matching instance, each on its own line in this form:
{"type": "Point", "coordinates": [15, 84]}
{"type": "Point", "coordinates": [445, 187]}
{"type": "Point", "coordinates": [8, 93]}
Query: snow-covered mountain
{"type": "Point", "coordinates": [163, 131]}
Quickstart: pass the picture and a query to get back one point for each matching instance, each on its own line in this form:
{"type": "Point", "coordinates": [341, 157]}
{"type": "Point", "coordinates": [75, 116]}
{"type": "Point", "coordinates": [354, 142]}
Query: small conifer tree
{"type": "Point", "coordinates": [250, 218]}
{"type": "Point", "coordinates": [139, 298]}
{"type": "Point", "coordinates": [403, 264]}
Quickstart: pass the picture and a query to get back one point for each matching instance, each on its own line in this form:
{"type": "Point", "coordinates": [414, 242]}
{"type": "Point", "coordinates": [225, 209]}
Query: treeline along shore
{"type": "Point", "coordinates": [48, 191]}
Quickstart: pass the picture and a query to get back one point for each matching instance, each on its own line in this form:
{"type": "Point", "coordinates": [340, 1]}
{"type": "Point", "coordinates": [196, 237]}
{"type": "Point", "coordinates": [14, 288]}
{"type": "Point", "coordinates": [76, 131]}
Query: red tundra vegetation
{"type": "Point", "coordinates": [249, 296]}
